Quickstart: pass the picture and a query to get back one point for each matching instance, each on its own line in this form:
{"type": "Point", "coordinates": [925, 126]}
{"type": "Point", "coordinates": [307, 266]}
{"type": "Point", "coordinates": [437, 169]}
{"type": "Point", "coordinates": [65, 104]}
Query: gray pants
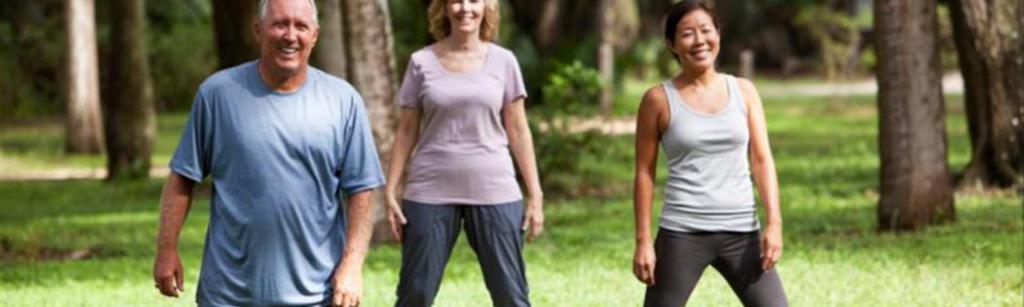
{"type": "Point", "coordinates": [682, 258]}
{"type": "Point", "coordinates": [494, 233]}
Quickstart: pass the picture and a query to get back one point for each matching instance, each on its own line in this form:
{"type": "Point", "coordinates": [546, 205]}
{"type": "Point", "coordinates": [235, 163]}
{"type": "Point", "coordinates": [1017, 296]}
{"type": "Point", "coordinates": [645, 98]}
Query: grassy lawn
{"type": "Point", "coordinates": [41, 145]}
{"type": "Point", "coordinates": [826, 153]}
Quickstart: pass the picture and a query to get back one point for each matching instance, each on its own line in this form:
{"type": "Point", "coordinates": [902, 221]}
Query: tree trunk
{"type": "Point", "coordinates": [330, 54]}
{"type": "Point", "coordinates": [990, 47]}
{"type": "Point", "coordinates": [372, 72]}
{"type": "Point", "coordinates": [606, 53]}
{"type": "Point", "coordinates": [83, 126]}
{"type": "Point", "coordinates": [916, 188]}
{"type": "Point", "coordinates": [233, 22]}
{"type": "Point", "coordinates": [130, 126]}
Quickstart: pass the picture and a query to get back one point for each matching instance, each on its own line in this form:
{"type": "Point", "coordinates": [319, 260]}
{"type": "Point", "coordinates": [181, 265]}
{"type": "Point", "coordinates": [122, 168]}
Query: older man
{"type": "Point", "coordinates": [283, 143]}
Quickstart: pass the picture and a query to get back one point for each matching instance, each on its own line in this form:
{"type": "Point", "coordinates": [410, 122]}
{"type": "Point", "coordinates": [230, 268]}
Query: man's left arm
{"type": "Point", "coordinates": [360, 172]}
{"type": "Point", "coordinates": [348, 277]}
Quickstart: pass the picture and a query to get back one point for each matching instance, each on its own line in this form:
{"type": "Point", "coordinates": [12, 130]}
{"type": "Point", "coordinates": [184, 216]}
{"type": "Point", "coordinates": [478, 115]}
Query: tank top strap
{"type": "Point", "coordinates": [674, 100]}
{"type": "Point", "coordinates": [735, 97]}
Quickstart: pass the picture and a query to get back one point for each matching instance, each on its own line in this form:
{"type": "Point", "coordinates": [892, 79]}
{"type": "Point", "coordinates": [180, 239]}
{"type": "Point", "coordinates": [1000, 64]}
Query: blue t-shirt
{"type": "Point", "coordinates": [280, 163]}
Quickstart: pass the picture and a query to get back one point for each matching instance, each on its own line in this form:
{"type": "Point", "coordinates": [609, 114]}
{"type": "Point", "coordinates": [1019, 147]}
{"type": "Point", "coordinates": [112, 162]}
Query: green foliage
{"type": "Point", "coordinates": [181, 50]}
{"type": "Point", "coordinates": [409, 21]}
{"type": "Point", "coordinates": [570, 94]}
{"type": "Point", "coordinates": [838, 37]}
{"type": "Point", "coordinates": [177, 71]}
{"type": "Point", "coordinates": [31, 50]}
{"type": "Point", "coordinates": [571, 90]}
{"type": "Point", "coordinates": [32, 39]}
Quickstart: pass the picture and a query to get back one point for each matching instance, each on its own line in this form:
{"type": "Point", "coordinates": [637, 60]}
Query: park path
{"type": "Point", "coordinates": [10, 170]}
{"type": "Point", "coordinates": [951, 84]}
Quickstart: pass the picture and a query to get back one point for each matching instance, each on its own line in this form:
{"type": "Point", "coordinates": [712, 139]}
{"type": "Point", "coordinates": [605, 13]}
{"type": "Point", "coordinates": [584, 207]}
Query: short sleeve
{"type": "Point", "coordinates": [409, 93]}
{"type": "Point", "coordinates": [359, 166]}
{"type": "Point", "coordinates": [514, 86]}
{"type": "Point", "coordinates": [192, 157]}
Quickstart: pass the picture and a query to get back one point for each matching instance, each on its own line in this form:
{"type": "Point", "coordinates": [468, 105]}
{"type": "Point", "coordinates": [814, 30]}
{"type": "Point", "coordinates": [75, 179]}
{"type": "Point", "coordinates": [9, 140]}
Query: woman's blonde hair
{"type": "Point", "coordinates": [440, 26]}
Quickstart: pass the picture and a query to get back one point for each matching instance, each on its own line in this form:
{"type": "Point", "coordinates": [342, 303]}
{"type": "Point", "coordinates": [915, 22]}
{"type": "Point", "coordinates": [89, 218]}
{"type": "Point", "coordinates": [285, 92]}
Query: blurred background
{"type": "Point", "coordinates": [896, 128]}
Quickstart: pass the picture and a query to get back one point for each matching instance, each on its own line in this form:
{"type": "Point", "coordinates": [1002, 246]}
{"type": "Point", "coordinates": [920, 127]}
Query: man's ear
{"type": "Point", "coordinates": [256, 30]}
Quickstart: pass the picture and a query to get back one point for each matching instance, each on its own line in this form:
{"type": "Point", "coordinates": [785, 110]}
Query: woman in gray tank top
{"type": "Point", "coordinates": [712, 129]}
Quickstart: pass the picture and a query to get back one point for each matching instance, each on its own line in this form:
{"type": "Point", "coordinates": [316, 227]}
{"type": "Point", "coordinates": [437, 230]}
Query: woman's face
{"type": "Point", "coordinates": [696, 41]}
{"type": "Point", "coordinates": [466, 15]}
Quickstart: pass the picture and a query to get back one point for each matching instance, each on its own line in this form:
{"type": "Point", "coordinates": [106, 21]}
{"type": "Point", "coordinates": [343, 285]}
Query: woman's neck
{"type": "Point", "coordinates": [701, 78]}
{"type": "Point", "coordinates": [462, 42]}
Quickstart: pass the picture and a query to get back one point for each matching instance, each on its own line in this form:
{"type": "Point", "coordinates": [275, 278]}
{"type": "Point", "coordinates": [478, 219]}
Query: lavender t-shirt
{"type": "Point", "coordinates": [462, 155]}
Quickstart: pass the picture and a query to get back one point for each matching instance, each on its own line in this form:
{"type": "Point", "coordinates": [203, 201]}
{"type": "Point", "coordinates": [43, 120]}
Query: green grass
{"type": "Point", "coordinates": [41, 145]}
{"type": "Point", "coordinates": [826, 152]}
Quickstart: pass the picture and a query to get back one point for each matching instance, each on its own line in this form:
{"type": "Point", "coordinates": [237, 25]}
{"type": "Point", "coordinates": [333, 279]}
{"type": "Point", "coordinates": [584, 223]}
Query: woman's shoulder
{"type": "Point", "coordinates": [654, 97]}
{"type": "Point", "coordinates": [502, 53]}
{"type": "Point", "coordinates": [744, 85]}
{"type": "Point", "coordinates": [422, 55]}
{"type": "Point", "coordinates": [747, 90]}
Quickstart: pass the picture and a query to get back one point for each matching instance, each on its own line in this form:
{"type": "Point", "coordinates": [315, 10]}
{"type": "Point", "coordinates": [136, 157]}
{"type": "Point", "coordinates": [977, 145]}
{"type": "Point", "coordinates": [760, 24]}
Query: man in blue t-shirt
{"type": "Point", "coordinates": [282, 143]}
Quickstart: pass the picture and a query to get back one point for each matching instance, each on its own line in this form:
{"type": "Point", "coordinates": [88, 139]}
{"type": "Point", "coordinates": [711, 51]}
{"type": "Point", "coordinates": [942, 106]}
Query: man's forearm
{"type": "Point", "coordinates": [360, 226]}
{"type": "Point", "coordinates": [174, 207]}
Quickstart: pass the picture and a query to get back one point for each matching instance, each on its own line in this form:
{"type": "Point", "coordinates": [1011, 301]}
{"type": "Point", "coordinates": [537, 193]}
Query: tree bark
{"type": "Point", "coordinates": [233, 22]}
{"type": "Point", "coordinates": [990, 47]}
{"type": "Point", "coordinates": [372, 72]}
{"type": "Point", "coordinates": [330, 54]}
{"type": "Point", "coordinates": [606, 53]}
{"type": "Point", "coordinates": [130, 126]}
{"type": "Point", "coordinates": [916, 188]}
{"type": "Point", "coordinates": [83, 123]}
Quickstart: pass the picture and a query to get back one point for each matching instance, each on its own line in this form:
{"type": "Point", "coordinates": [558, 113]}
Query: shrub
{"type": "Point", "coordinates": [568, 159]}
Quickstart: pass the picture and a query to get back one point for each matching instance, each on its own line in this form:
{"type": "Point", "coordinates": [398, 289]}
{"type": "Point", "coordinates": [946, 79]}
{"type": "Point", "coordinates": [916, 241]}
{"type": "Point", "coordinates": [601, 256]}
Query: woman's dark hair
{"type": "Point", "coordinates": [682, 8]}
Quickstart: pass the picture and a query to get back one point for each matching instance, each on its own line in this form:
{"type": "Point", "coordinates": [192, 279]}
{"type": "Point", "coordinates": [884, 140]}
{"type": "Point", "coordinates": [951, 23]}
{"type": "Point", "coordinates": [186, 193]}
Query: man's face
{"type": "Point", "coordinates": [286, 36]}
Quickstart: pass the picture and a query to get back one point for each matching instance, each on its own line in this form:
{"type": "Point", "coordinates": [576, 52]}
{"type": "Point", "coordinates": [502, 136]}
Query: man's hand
{"type": "Point", "coordinates": [347, 282]}
{"type": "Point", "coordinates": [348, 287]}
{"type": "Point", "coordinates": [395, 216]}
{"type": "Point", "coordinates": [168, 273]}
{"type": "Point", "coordinates": [533, 218]}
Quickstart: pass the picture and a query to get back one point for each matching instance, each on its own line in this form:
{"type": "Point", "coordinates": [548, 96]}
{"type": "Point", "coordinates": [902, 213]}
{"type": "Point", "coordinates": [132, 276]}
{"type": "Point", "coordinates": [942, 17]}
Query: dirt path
{"type": "Point", "coordinates": [951, 84]}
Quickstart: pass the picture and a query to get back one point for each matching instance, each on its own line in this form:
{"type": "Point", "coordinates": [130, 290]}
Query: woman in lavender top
{"type": "Point", "coordinates": [462, 120]}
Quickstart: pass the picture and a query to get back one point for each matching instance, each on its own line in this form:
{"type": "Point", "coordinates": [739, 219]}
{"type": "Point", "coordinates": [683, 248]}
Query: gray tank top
{"type": "Point", "coordinates": [708, 186]}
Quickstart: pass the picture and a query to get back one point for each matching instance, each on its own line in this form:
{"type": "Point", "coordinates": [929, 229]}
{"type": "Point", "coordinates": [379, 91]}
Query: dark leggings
{"type": "Point", "coordinates": [682, 258]}
{"type": "Point", "coordinates": [492, 231]}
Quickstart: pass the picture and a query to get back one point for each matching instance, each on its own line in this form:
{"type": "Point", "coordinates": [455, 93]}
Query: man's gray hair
{"type": "Point", "coordinates": [312, 3]}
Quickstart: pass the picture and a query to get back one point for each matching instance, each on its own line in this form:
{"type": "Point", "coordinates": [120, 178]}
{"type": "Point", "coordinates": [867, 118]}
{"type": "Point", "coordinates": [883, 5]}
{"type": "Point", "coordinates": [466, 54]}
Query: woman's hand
{"type": "Point", "coordinates": [643, 263]}
{"type": "Point", "coordinates": [533, 218]}
{"type": "Point", "coordinates": [771, 246]}
{"type": "Point", "coordinates": [395, 216]}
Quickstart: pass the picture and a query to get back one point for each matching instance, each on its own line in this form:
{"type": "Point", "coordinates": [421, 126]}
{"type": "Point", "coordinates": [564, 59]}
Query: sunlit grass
{"type": "Point", "coordinates": [826, 153]}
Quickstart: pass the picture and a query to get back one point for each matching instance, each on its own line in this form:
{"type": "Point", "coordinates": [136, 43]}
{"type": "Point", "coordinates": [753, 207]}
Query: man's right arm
{"type": "Point", "coordinates": [174, 206]}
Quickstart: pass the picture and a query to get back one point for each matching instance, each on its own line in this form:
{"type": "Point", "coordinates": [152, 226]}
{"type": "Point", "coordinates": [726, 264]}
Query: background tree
{"type": "Point", "coordinates": [610, 27]}
{"type": "Point", "coordinates": [916, 188]}
{"type": "Point", "coordinates": [233, 26]}
{"type": "Point", "coordinates": [371, 71]}
{"type": "Point", "coordinates": [130, 123]}
{"type": "Point", "coordinates": [83, 124]}
{"type": "Point", "coordinates": [990, 48]}
{"type": "Point", "coordinates": [618, 23]}
{"type": "Point", "coordinates": [330, 54]}
{"type": "Point", "coordinates": [31, 58]}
